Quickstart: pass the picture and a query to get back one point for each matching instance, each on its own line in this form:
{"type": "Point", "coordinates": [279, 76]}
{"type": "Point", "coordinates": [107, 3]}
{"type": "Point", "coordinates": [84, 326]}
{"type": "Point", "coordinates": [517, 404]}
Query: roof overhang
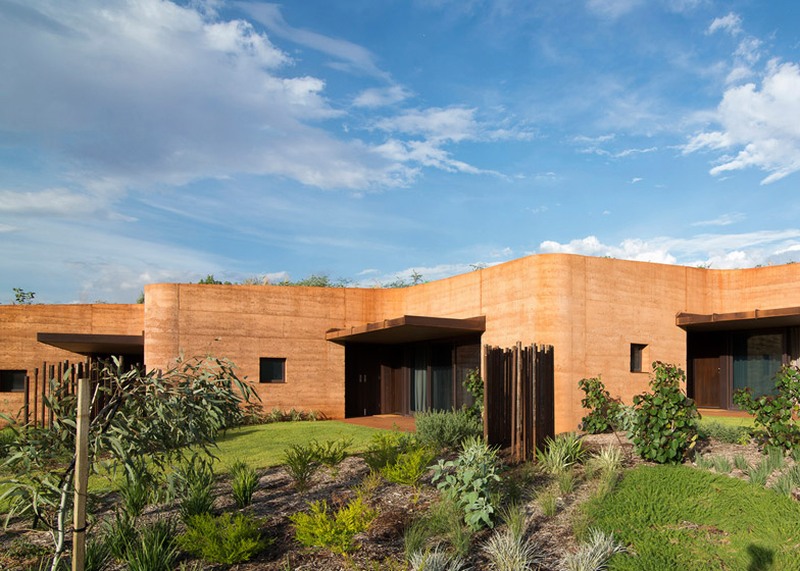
{"type": "Point", "coordinates": [756, 318]}
{"type": "Point", "coordinates": [408, 329]}
{"type": "Point", "coordinates": [85, 344]}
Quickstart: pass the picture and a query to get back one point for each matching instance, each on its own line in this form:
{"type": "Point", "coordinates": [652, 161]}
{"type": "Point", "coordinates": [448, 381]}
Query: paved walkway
{"type": "Point", "coordinates": [385, 421]}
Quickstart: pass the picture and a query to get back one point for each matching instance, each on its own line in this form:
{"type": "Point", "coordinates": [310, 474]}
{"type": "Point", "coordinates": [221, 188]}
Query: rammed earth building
{"type": "Point", "coordinates": [354, 352]}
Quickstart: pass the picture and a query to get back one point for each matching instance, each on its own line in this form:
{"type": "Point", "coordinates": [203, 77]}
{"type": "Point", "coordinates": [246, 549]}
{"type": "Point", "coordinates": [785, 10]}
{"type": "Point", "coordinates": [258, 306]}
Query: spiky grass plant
{"type": "Point", "coordinates": [548, 503]}
{"type": "Point", "coordinates": [506, 552]}
{"type": "Point", "coordinates": [759, 473]}
{"type": "Point", "coordinates": [740, 462]}
{"type": "Point", "coordinates": [593, 555]}
{"type": "Point", "coordinates": [704, 462]}
{"type": "Point", "coordinates": [515, 518]}
{"type": "Point", "coordinates": [722, 464]}
{"type": "Point", "coordinates": [436, 560]}
{"type": "Point", "coordinates": [566, 482]}
{"type": "Point", "coordinates": [301, 463]}
{"type": "Point", "coordinates": [561, 452]}
{"type": "Point", "coordinates": [607, 459]}
{"type": "Point", "coordinates": [154, 549]}
{"type": "Point", "coordinates": [244, 481]}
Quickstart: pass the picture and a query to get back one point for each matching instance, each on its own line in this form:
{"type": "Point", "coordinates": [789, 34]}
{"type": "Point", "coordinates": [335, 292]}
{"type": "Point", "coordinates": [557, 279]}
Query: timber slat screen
{"type": "Point", "coordinates": [38, 388]}
{"type": "Point", "coordinates": [519, 398]}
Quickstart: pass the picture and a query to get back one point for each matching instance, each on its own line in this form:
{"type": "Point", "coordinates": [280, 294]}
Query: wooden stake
{"type": "Point", "coordinates": [81, 475]}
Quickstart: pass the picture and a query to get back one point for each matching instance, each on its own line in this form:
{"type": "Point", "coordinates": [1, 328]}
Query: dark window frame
{"type": "Point", "coordinates": [267, 367]}
{"type": "Point", "coordinates": [7, 380]}
{"type": "Point", "coordinates": [637, 357]}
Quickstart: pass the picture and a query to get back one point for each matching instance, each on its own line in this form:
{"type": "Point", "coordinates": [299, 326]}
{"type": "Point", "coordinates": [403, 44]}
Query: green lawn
{"type": "Point", "coordinates": [677, 517]}
{"type": "Point", "coordinates": [728, 420]}
{"type": "Point", "coordinates": [262, 445]}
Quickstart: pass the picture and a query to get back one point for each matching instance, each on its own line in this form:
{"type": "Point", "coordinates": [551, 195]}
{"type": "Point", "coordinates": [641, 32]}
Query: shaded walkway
{"type": "Point", "coordinates": [385, 421]}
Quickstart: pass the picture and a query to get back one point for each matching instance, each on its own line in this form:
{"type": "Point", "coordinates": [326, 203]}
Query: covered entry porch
{"type": "Point", "coordinates": [408, 364]}
{"type": "Point", "coordinates": [727, 352]}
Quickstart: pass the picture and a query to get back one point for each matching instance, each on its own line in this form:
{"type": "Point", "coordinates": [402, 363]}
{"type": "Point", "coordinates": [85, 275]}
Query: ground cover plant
{"type": "Point", "coordinates": [677, 517]}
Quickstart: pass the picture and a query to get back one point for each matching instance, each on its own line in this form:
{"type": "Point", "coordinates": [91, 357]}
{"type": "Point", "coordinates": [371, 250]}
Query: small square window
{"type": "Point", "coordinates": [12, 381]}
{"type": "Point", "coordinates": [637, 357]}
{"type": "Point", "coordinates": [272, 370]}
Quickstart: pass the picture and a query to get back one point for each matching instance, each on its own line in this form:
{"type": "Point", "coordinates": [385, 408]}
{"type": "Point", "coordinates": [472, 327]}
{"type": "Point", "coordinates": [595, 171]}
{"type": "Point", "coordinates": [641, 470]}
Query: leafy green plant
{"type": "Point", "coordinates": [505, 551]}
{"type": "Point", "coordinates": [470, 480]}
{"type": "Point", "coordinates": [475, 386]}
{"type": "Point", "coordinates": [602, 408]}
{"type": "Point", "coordinates": [665, 428]}
{"type": "Point", "coordinates": [409, 467]}
{"type": "Point", "coordinates": [98, 555]}
{"type": "Point", "coordinates": [334, 531]}
{"type": "Point", "coordinates": [301, 462]}
{"type": "Point", "coordinates": [154, 548]}
{"type": "Point", "coordinates": [118, 532]}
{"type": "Point", "coordinates": [228, 538]}
{"type": "Point", "coordinates": [593, 554]}
{"type": "Point", "coordinates": [244, 481]}
{"type": "Point", "coordinates": [385, 447]}
{"type": "Point", "coordinates": [776, 414]}
{"type": "Point", "coordinates": [561, 452]}
{"type": "Point", "coordinates": [447, 429]}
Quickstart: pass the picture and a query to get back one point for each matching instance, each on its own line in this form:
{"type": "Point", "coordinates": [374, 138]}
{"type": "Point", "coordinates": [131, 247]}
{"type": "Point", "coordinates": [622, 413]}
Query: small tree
{"type": "Point", "coordinates": [22, 297]}
{"type": "Point", "coordinates": [160, 416]}
{"type": "Point", "coordinates": [778, 414]}
{"type": "Point", "coordinates": [665, 420]}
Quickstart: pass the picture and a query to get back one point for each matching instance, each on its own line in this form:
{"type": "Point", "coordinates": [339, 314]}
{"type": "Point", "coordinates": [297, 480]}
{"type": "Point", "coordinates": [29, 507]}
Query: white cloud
{"type": "Point", "coordinates": [715, 250]}
{"type": "Point", "coordinates": [723, 220]}
{"type": "Point", "coordinates": [730, 23]}
{"type": "Point", "coordinates": [636, 179]}
{"type": "Point", "coordinates": [381, 96]}
{"type": "Point", "coordinates": [58, 201]}
{"type": "Point", "coordinates": [754, 121]}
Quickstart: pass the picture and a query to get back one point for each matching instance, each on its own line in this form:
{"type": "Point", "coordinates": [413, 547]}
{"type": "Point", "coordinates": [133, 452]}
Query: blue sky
{"type": "Point", "coordinates": [151, 141]}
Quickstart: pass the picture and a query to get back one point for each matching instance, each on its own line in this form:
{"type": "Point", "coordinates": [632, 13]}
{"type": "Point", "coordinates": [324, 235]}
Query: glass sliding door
{"type": "Point", "coordinates": [419, 380]}
{"type": "Point", "coordinates": [757, 357]}
{"type": "Point", "coordinates": [441, 377]}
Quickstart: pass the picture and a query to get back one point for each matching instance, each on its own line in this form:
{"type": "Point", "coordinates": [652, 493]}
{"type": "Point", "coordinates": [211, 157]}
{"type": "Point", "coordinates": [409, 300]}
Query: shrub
{"type": "Point", "coordinates": [776, 414]}
{"type": "Point", "coordinates": [385, 447]}
{"type": "Point", "coordinates": [561, 452]}
{"type": "Point", "coordinates": [506, 551]}
{"type": "Point", "coordinates": [602, 408]}
{"type": "Point", "coordinates": [244, 481]}
{"type": "Point", "coordinates": [470, 481]}
{"type": "Point", "coordinates": [665, 427]}
{"type": "Point", "coordinates": [301, 463]}
{"type": "Point", "coordinates": [447, 429]}
{"type": "Point", "coordinates": [226, 539]}
{"type": "Point", "coordinates": [332, 531]}
{"type": "Point", "coordinates": [409, 467]}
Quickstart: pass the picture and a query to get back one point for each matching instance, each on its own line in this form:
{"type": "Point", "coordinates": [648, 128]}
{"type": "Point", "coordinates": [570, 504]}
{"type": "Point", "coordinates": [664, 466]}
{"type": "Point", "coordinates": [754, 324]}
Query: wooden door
{"type": "Point", "coordinates": [705, 350]}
